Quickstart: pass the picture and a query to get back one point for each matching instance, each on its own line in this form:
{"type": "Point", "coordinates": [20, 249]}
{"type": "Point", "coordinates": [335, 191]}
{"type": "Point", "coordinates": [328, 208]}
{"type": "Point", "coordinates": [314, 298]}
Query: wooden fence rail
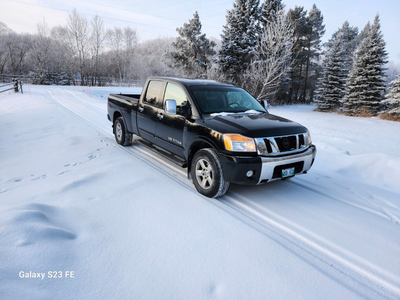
{"type": "Point", "coordinates": [16, 86]}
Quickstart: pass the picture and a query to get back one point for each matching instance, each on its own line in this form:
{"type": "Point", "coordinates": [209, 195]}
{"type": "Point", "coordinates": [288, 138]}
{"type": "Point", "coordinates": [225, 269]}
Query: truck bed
{"type": "Point", "coordinates": [124, 105]}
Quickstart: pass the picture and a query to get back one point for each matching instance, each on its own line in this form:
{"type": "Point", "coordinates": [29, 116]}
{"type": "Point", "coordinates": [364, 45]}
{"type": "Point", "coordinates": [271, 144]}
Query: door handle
{"type": "Point", "coordinates": [160, 116]}
{"type": "Point", "coordinates": [141, 109]}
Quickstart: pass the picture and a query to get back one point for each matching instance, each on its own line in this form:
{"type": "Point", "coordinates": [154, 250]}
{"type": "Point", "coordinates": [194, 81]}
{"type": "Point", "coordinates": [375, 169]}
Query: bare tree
{"type": "Point", "coordinates": [266, 71]}
{"type": "Point", "coordinates": [78, 38]}
{"type": "Point", "coordinates": [131, 41]}
{"type": "Point", "coordinates": [17, 47]}
{"type": "Point", "coordinates": [41, 47]}
{"type": "Point", "coordinates": [152, 59]}
{"type": "Point", "coordinates": [63, 51]}
{"type": "Point", "coordinates": [4, 53]}
{"type": "Point", "coordinates": [97, 42]}
{"type": "Point", "coordinates": [115, 41]}
{"type": "Point", "coordinates": [123, 44]}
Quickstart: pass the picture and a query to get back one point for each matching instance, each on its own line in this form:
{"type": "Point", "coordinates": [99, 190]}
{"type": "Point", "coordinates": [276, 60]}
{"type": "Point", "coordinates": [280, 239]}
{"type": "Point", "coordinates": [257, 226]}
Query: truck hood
{"type": "Point", "coordinates": [253, 124]}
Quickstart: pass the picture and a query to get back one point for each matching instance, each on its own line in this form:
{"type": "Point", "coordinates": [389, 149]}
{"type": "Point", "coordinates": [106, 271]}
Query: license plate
{"type": "Point", "coordinates": [287, 172]}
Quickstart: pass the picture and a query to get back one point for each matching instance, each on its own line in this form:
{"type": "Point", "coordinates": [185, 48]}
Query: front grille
{"type": "Point", "coordinates": [287, 143]}
{"type": "Point", "coordinates": [282, 144]}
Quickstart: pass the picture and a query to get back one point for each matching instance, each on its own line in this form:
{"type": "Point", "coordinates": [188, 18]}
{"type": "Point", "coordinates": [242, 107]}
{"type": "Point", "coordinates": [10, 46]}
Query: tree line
{"type": "Point", "coordinates": [82, 52]}
{"type": "Point", "coordinates": [274, 53]}
{"type": "Point", "coordinates": [279, 56]}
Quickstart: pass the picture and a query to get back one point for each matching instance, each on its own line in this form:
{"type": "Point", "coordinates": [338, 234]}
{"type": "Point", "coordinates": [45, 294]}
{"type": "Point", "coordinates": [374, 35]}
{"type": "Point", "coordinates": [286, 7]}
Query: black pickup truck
{"type": "Point", "coordinates": [218, 131]}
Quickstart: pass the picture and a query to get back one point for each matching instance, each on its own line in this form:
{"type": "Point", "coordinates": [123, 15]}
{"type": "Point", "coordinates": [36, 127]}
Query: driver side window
{"type": "Point", "coordinates": [175, 92]}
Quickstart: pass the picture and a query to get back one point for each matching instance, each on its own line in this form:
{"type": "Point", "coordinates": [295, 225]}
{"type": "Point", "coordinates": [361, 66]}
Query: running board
{"type": "Point", "coordinates": [164, 153]}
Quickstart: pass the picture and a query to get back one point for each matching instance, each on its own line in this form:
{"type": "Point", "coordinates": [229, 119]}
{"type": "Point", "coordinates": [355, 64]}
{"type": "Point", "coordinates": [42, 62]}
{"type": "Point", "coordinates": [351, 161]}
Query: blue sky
{"type": "Point", "coordinates": [160, 18]}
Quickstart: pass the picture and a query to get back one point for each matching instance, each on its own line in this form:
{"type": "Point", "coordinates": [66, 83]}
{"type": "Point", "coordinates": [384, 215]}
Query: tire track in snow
{"type": "Point", "coordinates": [266, 222]}
{"type": "Point", "coordinates": [247, 212]}
{"type": "Point", "coordinates": [138, 151]}
{"type": "Point", "coordinates": [320, 192]}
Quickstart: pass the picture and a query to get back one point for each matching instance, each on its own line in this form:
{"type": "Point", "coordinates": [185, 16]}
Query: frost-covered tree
{"type": "Point", "coordinates": [97, 42]}
{"type": "Point", "coordinates": [192, 49]}
{"type": "Point", "coordinates": [391, 103]}
{"type": "Point", "coordinates": [307, 33]}
{"type": "Point", "coordinates": [349, 41]}
{"type": "Point", "coordinates": [122, 43]}
{"type": "Point", "coordinates": [316, 30]}
{"type": "Point", "coordinates": [366, 84]}
{"type": "Point", "coordinates": [16, 47]}
{"type": "Point", "coordinates": [339, 53]}
{"type": "Point", "coordinates": [153, 59]}
{"type": "Point", "coordinates": [63, 54]}
{"type": "Point", "coordinates": [392, 98]}
{"type": "Point", "coordinates": [269, 12]}
{"type": "Point", "coordinates": [79, 39]}
{"type": "Point", "coordinates": [4, 53]}
{"type": "Point", "coordinates": [239, 39]}
{"type": "Point", "coordinates": [269, 67]}
{"type": "Point", "coordinates": [331, 90]}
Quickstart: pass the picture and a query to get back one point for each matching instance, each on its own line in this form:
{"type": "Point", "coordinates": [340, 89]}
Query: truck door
{"type": "Point", "coordinates": [148, 109]}
{"type": "Point", "coordinates": [170, 127]}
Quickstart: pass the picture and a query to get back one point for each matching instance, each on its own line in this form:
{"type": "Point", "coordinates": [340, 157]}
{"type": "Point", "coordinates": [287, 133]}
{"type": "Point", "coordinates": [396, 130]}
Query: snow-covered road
{"type": "Point", "coordinates": [129, 225]}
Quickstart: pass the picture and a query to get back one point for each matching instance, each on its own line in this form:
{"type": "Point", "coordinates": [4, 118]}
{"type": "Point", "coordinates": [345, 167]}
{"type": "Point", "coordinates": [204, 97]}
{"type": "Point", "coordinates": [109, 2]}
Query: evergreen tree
{"type": "Point", "coordinates": [269, 11]}
{"type": "Point", "coordinates": [366, 83]}
{"type": "Point", "coordinates": [363, 34]}
{"type": "Point", "coordinates": [192, 49]}
{"type": "Point", "coordinates": [334, 78]}
{"type": "Point", "coordinates": [338, 61]}
{"type": "Point", "coordinates": [239, 39]}
{"type": "Point", "coordinates": [307, 33]}
{"type": "Point", "coordinates": [289, 90]}
{"type": "Point", "coordinates": [316, 30]}
{"type": "Point", "coordinates": [349, 41]}
{"type": "Point", "coordinates": [392, 99]}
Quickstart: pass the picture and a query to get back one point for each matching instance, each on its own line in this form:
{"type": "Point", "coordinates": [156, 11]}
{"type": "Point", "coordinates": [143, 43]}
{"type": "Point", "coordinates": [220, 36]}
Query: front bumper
{"type": "Point", "coordinates": [301, 161]}
{"type": "Point", "coordinates": [265, 168]}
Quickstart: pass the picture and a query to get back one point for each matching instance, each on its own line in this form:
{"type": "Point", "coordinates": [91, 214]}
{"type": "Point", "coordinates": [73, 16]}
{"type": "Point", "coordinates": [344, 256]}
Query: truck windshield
{"type": "Point", "coordinates": [217, 99]}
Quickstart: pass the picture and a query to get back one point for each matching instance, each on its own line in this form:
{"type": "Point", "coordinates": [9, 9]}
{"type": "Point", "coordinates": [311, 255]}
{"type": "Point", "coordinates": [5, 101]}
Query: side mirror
{"type": "Point", "coordinates": [170, 107]}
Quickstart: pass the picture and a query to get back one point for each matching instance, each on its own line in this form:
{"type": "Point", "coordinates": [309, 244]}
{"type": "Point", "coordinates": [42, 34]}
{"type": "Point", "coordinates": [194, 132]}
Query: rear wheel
{"type": "Point", "coordinates": [121, 136]}
{"type": "Point", "coordinates": [207, 174]}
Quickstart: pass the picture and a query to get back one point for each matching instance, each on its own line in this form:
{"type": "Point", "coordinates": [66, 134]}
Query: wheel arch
{"type": "Point", "coordinates": [194, 148]}
{"type": "Point", "coordinates": [116, 115]}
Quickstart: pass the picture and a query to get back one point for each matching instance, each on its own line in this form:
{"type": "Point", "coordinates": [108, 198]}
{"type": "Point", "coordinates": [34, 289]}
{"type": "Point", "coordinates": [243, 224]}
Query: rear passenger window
{"type": "Point", "coordinates": [153, 93]}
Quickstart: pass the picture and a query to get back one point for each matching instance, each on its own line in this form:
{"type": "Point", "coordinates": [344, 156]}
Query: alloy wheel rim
{"type": "Point", "coordinates": [204, 174]}
{"type": "Point", "coordinates": [118, 131]}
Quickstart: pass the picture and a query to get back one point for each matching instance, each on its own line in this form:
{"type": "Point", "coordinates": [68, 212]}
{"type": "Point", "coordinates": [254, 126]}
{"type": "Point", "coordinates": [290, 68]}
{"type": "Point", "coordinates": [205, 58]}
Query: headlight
{"type": "Point", "coordinates": [239, 143]}
{"type": "Point", "coordinates": [308, 141]}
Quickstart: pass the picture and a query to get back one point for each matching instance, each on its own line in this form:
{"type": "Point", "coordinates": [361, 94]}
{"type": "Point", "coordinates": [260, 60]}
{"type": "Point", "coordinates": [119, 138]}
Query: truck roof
{"type": "Point", "coordinates": [193, 82]}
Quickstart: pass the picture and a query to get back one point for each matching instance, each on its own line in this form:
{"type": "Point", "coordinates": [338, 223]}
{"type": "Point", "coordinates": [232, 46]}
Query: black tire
{"type": "Point", "coordinates": [207, 174]}
{"type": "Point", "coordinates": [121, 136]}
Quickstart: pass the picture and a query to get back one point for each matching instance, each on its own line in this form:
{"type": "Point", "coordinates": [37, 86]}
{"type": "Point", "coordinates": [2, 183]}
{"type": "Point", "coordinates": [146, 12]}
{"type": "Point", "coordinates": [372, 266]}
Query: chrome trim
{"type": "Point", "coordinates": [262, 148]}
{"type": "Point", "coordinates": [170, 107]}
{"type": "Point", "coordinates": [269, 163]}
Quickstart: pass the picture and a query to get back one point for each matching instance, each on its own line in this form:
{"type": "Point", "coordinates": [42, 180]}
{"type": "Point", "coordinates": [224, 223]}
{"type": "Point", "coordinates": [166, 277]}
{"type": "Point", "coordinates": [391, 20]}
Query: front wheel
{"type": "Point", "coordinates": [121, 136]}
{"type": "Point", "coordinates": [207, 174]}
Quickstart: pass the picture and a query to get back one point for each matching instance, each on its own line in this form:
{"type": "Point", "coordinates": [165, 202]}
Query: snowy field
{"type": "Point", "coordinates": [108, 222]}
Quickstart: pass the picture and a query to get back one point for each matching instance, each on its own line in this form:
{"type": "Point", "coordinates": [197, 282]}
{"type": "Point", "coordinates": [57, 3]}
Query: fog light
{"type": "Point", "coordinates": [249, 173]}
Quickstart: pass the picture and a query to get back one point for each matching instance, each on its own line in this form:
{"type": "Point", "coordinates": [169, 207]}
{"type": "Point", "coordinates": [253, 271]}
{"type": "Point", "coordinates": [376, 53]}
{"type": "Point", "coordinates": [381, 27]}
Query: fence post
{"type": "Point", "coordinates": [16, 86]}
{"type": "Point", "coordinates": [20, 85]}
